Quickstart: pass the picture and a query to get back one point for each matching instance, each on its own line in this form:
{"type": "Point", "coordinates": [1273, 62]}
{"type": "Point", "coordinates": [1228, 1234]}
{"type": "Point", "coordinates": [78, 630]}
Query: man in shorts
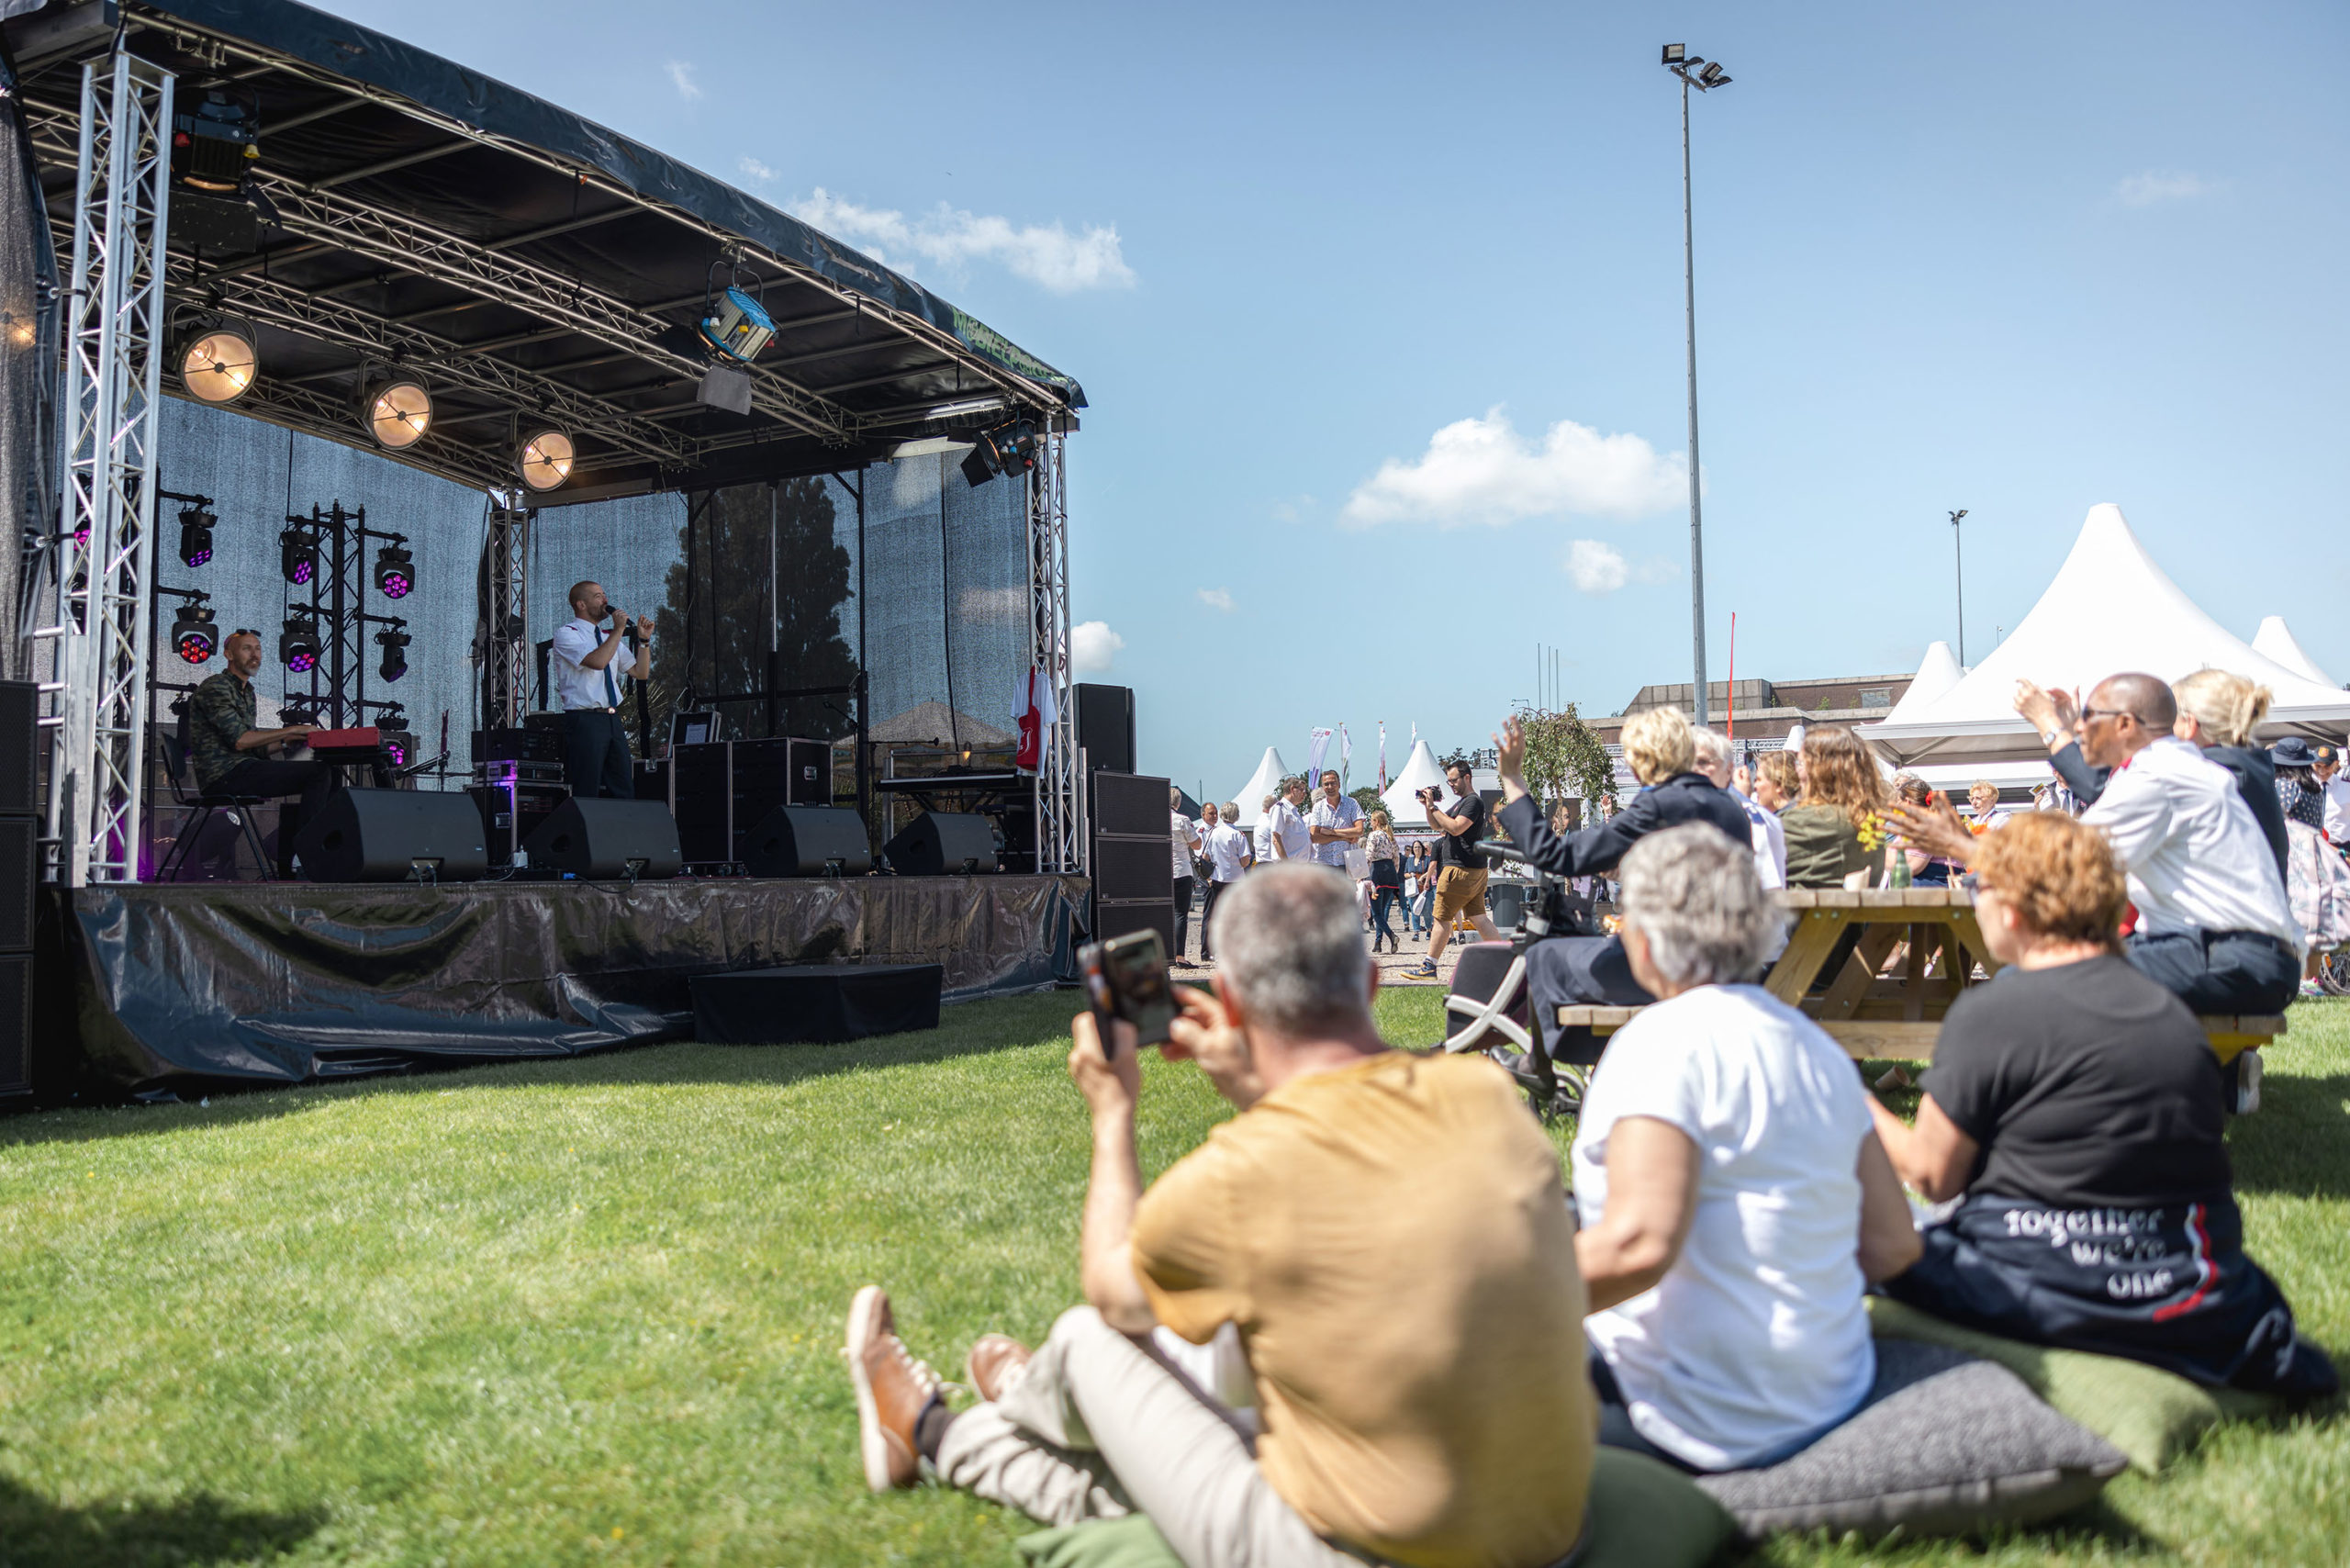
{"type": "Point", "coordinates": [1459, 869]}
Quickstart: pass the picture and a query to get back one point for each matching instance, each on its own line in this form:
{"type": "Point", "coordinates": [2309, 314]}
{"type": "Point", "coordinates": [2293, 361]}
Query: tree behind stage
{"type": "Point", "coordinates": [720, 582]}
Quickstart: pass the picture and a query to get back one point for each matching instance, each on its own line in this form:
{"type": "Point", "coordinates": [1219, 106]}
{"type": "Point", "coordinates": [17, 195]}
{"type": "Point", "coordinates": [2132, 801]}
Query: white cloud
{"type": "Point", "coordinates": [1052, 257]}
{"type": "Point", "coordinates": [2161, 184]}
{"type": "Point", "coordinates": [1092, 646]}
{"type": "Point", "coordinates": [754, 171]}
{"type": "Point", "coordinates": [681, 76]}
{"type": "Point", "coordinates": [1217, 598]}
{"type": "Point", "coordinates": [1599, 568]}
{"type": "Point", "coordinates": [1482, 471]}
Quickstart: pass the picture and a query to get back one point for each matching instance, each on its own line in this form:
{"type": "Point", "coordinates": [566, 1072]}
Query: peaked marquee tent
{"type": "Point", "coordinates": [1261, 783]}
{"type": "Point", "coordinates": [1938, 672]}
{"type": "Point", "coordinates": [2110, 608]}
{"type": "Point", "coordinates": [2276, 639]}
{"type": "Point", "coordinates": [1420, 771]}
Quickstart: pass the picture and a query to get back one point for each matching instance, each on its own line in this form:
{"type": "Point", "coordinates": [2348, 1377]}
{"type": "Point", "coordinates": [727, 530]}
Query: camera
{"type": "Point", "coordinates": [1125, 977]}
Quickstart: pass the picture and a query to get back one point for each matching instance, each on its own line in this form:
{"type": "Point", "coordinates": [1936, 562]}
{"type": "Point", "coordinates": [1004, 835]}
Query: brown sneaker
{"type": "Point", "coordinates": [995, 1364]}
{"type": "Point", "coordinates": [892, 1391]}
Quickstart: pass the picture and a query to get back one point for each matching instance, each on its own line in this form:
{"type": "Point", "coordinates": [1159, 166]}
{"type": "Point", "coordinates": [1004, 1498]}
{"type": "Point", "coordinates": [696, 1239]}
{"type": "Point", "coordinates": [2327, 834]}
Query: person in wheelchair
{"type": "Point", "coordinates": [1660, 747]}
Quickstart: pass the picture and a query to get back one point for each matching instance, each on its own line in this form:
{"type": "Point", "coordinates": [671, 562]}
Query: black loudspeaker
{"type": "Point", "coordinates": [942, 844]}
{"type": "Point", "coordinates": [382, 835]}
{"type": "Point", "coordinates": [599, 839]}
{"type": "Point", "coordinates": [18, 871]}
{"type": "Point", "coordinates": [18, 702]}
{"type": "Point", "coordinates": [808, 841]}
{"type": "Point", "coordinates": [1105, 726]}
{"type": "Point", "coordinates": [1130, 802]}
{"type": "Point", "coordinates": [1135, 868]}
{"type": "Point", "coordinates": [16, 1023]}
{"type": "Point", "coordinates": [1114, 918]}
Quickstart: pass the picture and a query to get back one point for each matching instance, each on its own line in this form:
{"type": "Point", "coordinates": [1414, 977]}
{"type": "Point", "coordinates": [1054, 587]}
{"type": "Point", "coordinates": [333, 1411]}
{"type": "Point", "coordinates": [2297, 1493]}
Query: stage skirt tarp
{"type": "Point", "coordinates": [181, 988]}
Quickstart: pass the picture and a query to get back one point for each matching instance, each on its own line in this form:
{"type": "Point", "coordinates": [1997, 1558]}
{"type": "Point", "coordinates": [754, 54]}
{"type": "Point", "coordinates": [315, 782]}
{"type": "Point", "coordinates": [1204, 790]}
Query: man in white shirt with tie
{"type": "Point", "coordinates": [589, 681]}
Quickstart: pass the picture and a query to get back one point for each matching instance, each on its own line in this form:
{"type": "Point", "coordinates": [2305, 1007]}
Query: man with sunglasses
{"type": "Point", "coordinates": [226, 746]}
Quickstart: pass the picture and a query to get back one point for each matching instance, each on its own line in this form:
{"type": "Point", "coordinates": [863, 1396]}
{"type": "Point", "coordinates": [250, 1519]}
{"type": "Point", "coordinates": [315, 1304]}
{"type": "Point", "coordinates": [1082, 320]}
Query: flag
{"type": "Point", "coordinates": [1033, 712]}
{"type": "Point", "coordinates": [1346, 758]}
{"type": "Point", "coordinates": [1382, 756]}
{"type": "Point", "coordinates": [1318, 744]}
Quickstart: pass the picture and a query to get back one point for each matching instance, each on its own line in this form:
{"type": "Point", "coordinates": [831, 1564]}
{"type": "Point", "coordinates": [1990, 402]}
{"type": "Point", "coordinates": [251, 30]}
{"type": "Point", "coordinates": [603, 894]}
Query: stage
{"type": "Point", "coordinates": [182, 989]}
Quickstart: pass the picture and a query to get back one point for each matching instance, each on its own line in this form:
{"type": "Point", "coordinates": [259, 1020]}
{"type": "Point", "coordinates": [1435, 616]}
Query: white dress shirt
{"type": "Point", "coordinates": [2337, 808]}
{"type": "Point", "coordinates": [1345, 814]}
{"type": "Point", "coordinates": [1291, 832]}
{"type": "Point", "coordinates": [1227, 852]}
{"type": "Point", "coordinates": [1185, 835]}
{"type": "Point", "coordinates": [2196, 859]}
{"type": "Point", "coordinates": [578, 686]}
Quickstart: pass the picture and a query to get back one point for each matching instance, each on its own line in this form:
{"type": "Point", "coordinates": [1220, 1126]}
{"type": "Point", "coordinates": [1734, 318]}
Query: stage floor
{"type": "Point", "coordinates": [188, 987]}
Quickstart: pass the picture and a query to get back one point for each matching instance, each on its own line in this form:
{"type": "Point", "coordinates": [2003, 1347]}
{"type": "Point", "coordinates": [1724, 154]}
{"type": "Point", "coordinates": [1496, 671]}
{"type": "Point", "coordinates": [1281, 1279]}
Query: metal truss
{"type": "Point", "coordinates": [107, 515]}
{"type": "Point", "coordinates": [1060, 795]}
{"type": "Point", "coordinates": [505, 652]}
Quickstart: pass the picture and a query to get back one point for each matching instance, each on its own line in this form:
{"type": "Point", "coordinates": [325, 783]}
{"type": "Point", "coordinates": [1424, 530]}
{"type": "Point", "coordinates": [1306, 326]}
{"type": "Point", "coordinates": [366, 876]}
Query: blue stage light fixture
{"type": "Point", "coordinates": [737, 326]}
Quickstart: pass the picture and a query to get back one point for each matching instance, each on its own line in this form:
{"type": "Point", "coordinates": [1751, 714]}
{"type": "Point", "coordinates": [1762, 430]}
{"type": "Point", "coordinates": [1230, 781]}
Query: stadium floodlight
{"type": "Point", "coordinates": [297, 556]}
{"type": "Point", "coordinates": [1675, 53]}
{"type": "Point", "coordinates": [545, 458]}
{"type": "Point", "coordinates": [395, 572]}
{"type": "Point", "coordinates": [218, 363]}
{"type": "Point", "coordinates": [195, 536]}
{"type": "Point", "coordinates": [1712, 76]}
{"type": "Point", "coordinates": [398, 413]}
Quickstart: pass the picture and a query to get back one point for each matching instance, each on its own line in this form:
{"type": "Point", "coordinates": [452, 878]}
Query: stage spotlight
{"type": "Point", "coordinates": [297, 556]}
{"type": "Point", "coordinates": [737, 326]}
{"type": "Point", "coordinates": [195, 536]}
{"type": "Point", "coordinates": [398, 413]}
{"type": "Point", "coordinates": [544, 459]}
{"type": "Point", "coordinates": [395, 572]}
{"type": "Point", "coordinates": [394, 644]}
{"type": "Point", "coordinates": [1007, 449]}
{"type": "Point", "coordinates": [218, 362]}
{"type": "Point", "coordinates": [297, 644]}
{"type": "Point", "coordinates": [193, 635]}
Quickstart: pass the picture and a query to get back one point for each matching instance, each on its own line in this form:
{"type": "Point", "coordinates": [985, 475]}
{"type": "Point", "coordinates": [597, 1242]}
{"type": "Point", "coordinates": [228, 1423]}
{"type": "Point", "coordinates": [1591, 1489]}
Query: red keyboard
{"type": "Point", "coordinates": [367, 739]}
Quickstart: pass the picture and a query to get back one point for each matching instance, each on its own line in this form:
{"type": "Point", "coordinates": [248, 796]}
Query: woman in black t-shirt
{"type": "Point", "coordinates": [2075, 1104]}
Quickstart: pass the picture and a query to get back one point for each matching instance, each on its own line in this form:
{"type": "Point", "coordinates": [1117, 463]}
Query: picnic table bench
{"type": "Point", "coordinates": [1873, 1015]}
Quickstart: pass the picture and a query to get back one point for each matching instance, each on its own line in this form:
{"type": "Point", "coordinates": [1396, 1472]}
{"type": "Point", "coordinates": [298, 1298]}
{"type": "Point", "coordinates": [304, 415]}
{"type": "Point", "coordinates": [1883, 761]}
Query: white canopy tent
{"type": "Point", "coordinates": [2109, 609]}
{"type": "Point", "coordinates": [1265, 781]}
{"type": "Point", "coordinates": [2276, 639]}
{"type": "Point", "coordinates": [1938, 672]}
{"type": "Point", "coordinates": [1420, 772]}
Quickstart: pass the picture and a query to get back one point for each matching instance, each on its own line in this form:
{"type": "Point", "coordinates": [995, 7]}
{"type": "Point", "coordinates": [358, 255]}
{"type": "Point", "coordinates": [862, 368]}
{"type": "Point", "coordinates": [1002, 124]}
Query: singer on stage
{"type": "Point", "coordinates": [589, 680]}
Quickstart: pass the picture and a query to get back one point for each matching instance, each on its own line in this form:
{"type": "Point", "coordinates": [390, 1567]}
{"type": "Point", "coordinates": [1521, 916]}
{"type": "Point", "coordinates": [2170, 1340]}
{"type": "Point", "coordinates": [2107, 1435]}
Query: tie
{"type": "Point", "coordinates": [611, 687]}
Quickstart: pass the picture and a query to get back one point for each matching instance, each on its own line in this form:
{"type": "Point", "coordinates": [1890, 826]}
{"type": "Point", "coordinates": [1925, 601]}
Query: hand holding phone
{"type": "Point", "coordinates": [1125, 981]}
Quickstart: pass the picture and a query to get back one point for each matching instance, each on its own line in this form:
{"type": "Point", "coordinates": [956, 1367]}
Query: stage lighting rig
{"type": "Point", "coordinates": [737, 326]}
{"type": "Point", "coordinates": [395, 572]}
{"type": "Point", "coordinates": [398, 413]}
{"type": "Point", "coordinates": [1007, 449]}
{"type": "Point", "coordinates": [194, 636]}
{"type": "Point", "coordinates": [545, 458]}
{"type": "Point", "coordinates": [297, 556]}
{"type": "Point", "coordinates": [195, 536]}
{"type": "Point", "coordinates": [216, 361]}
{"type": "Point", "coordinates": [213, 141]}
{"type": "Point", "coordinates": [395, 641]}
{"type": "Point", "coordinates": [297, 644]}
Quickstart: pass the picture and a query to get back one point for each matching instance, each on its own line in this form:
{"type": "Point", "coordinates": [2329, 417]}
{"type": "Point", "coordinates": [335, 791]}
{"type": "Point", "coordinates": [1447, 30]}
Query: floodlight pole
{"type": "Point", "coordinates": [1958, 554]}
{"type": "Point", "coordinates": [1682, 68]}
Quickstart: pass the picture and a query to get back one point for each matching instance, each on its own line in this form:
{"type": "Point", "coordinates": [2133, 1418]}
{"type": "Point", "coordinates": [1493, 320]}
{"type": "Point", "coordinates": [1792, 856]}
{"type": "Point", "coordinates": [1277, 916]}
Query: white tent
{"type": "Point", "coordinates": [1420, 771]}
{"type": "Point", "coordinates": [2109, 609]}
{"type": "Point", "coordinates": [1937, 672]}
{"type": "Point", "coordinates": [2276, 639]}
{"type": "Point", "coordinates": [1261, 783]}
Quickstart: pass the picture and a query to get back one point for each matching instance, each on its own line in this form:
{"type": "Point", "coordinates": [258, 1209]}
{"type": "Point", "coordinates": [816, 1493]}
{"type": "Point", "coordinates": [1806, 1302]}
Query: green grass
{"type": "Point", "coordinates": [587, 1312]}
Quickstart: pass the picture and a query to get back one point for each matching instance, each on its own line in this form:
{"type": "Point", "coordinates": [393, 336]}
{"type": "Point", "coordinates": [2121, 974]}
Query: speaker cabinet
{"type": "Point", "coordinates": [942, 844]}
{"type": "Point", "coordinates": [385, 835]}
{"type": "Point", "coordinates": [1105, 726]}
{"type": "Point", "coordinates": [510, 814]}
{"type": "Point", "coordinates": [1135, 868]}
{"type": "Point", "coordinates": [808, 841]}
{"type": "Point", "coordinates": [1129, 803]}
{"type": "Point", "coordinates": [596, 840]}
{"type": "Point", "coordinates": [18, 702]}
{"type": "Point", "coordinates": [1114, 917]}
{"type": "Point", "coordinates": [16, 1023]}
{"type": "Point", "coordinates": [702, 784]}
{"type": "Point", "coordinates": [20, 869]}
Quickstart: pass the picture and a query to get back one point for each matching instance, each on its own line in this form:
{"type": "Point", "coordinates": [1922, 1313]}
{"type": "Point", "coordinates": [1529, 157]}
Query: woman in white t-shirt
{"type": "Point", "coordinates": [1734, 1200]}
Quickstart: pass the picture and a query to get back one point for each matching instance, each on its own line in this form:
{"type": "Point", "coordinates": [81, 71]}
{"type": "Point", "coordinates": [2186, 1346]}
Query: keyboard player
{"type": "Point", "coordinates": [228, 750]}
{"type": "Point", "coordinates": [588, 673]}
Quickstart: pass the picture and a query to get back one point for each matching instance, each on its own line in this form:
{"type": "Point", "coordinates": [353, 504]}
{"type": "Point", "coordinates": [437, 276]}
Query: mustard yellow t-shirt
{"type": "Point", "coordinates": [1393, 1244]}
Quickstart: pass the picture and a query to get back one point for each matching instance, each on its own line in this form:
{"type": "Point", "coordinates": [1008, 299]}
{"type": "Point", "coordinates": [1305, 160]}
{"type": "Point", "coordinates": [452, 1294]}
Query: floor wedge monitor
{"type": "Point", "coordinates": [943, 843]}
{"type": "Point", "coordinates": [607, 841]}
{"type": "Point", "coordinates": [808, 841]}
{"type": "Point", "coordinates": [394, 835]}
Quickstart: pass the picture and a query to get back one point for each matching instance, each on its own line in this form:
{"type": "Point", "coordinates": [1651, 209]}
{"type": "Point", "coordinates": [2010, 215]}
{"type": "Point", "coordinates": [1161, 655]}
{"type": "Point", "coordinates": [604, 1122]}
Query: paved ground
{"type": "Point", "coordinates": [1390, 964]}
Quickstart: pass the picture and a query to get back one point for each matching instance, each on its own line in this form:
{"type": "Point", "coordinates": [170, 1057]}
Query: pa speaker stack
{"type": "Point", "coordinates": [19, 869]}
{"type": "Point", "coordinates": [1133, 858]}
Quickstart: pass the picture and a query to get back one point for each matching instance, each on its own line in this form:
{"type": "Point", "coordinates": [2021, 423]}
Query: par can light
{"type": "Point", "coordinates": [544, 459]}
{"type": "Point", "coordinates": [193, 635]}
{"type": "Point", "coordinates": [218, 364]}
{"type": "Point", "coordinates": [399, 414]}
{"type": "Point", "coordinates": [395, 572]}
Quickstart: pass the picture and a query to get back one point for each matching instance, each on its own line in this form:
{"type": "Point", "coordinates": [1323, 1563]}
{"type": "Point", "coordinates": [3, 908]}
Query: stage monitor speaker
{"type": "Point", "coordinates": [1134, 867]}
{"type": "Point", "coordinates": [394, 835]}
{"type": "Point", "coordinates": [1130, 802]}
{"type": "Point", "coordinates": [1105, 726]}
{"type": "Point", "coordinates": [19, 870]}
{"type": "Point", "coordinates": [19, 701]}
{"type": "Point", "coordinates": [809, 841]}
{"type": "Point", "coordinates": [942, 844]}
{"type": "Point", "coordinates": [607, 841]}
{"type": "Point", "coordinates": [16, 1023]}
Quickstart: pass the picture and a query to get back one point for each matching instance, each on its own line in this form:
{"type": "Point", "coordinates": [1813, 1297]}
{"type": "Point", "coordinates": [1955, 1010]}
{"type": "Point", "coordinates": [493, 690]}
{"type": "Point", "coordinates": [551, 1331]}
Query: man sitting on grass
{"type": "Point", "coordinates": [1387, 1233]}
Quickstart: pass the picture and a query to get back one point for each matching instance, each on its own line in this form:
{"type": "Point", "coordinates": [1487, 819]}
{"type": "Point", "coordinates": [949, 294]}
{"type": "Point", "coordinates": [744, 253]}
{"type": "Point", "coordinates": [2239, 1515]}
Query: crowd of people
{"type": "Point", "coordinates": [1366, 1320]}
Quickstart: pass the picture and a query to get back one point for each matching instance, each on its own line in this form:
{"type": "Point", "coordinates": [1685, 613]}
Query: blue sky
{"type": "Point", "coordinates": [2019, 259]}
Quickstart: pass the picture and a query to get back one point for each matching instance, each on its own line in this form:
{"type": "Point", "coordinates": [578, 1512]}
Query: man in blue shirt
{"type": "Point", "coordinates": [588, 682]}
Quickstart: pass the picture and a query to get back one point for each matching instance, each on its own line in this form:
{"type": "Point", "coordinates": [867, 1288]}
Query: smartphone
{"type": "Point", "coordinates": [1126, 978]}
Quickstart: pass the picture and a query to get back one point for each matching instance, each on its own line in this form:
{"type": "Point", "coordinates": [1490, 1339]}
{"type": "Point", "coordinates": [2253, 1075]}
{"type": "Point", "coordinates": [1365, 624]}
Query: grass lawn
{"type": "Point", "coordinates": [589, 1312]}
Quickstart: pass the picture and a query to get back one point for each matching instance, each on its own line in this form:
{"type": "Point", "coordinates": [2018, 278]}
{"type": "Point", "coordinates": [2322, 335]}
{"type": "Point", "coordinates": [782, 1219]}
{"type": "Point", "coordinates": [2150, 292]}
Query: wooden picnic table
{"type": "Point", "coordinates": [1874, 1014]}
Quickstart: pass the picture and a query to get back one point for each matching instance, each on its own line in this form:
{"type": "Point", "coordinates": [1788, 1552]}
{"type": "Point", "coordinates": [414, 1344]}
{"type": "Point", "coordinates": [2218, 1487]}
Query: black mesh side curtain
{"type": "Point", "coordinates": [28, 385]}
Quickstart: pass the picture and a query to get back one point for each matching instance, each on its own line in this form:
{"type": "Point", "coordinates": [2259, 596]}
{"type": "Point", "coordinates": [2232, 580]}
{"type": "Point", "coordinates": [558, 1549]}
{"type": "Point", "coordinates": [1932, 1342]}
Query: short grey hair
{"type": "Point", "coordinates": [1289, 940]}
{"type": "Point", "coordinates": [1693, 893]}
{"type": "Point", "coordinates": [1712, 745]}
{"type": "Point", "coordinates": [1174, 798]}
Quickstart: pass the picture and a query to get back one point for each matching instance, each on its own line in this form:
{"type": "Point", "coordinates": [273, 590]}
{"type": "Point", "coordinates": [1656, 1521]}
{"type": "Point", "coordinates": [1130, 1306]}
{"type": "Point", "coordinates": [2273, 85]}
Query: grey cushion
{"type": "Point", "coordinates": [1944, 1445]}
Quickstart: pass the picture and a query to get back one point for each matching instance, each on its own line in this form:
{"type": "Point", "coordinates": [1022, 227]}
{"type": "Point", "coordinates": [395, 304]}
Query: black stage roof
{"type": "Point", "coordinates": [523, 262]}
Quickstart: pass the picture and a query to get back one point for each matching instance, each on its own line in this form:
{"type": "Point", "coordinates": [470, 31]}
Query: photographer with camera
{"type": "Point", "coordinates": [1459, 869]}
{"type": "Point", "coordinates": [1389, 1236]}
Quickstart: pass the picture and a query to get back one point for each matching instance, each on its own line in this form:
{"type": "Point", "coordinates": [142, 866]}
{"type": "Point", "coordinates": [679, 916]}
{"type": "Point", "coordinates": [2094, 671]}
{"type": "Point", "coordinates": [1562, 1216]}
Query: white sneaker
{"type": "Point", "coordinates": [2248, 1072]}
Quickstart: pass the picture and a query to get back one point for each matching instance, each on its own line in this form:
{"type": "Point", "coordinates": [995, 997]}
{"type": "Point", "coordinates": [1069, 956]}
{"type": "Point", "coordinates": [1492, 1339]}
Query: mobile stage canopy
{"type": "Point", "coordinates": [381, 216]}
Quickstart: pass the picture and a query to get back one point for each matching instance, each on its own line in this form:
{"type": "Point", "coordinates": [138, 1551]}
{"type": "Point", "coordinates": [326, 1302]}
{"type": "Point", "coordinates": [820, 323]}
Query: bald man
{"type": "Point", "coordinates": [588, 676]}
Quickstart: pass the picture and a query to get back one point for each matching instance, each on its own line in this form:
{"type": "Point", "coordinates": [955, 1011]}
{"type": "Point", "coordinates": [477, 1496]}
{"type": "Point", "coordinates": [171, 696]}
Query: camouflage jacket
{"type": "Point", "coordinates": [221, 710]}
